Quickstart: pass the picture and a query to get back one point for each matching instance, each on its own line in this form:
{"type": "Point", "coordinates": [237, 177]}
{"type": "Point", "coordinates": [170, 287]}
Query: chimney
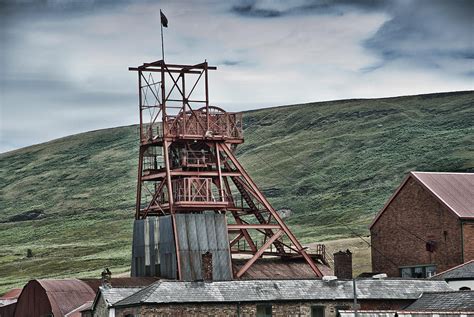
{"type": "Point", "coordinates": [207, 266]}
{"type": "Point", "coordinates": [106, 278]}
{"type": "Point", "coordinates": [343, 264]}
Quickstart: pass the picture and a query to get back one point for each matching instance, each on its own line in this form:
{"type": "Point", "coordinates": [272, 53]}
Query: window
{"type": "Point", "coordinates": [317, 311]}
{"type": "Point", "coordinates": [264, 310]}
{"type": "Point", "coordinates": [405, 272]}
{"type": "Point", "coordinates": [430, 270]}
{"type": "Point", "coordinates": [420, 271]}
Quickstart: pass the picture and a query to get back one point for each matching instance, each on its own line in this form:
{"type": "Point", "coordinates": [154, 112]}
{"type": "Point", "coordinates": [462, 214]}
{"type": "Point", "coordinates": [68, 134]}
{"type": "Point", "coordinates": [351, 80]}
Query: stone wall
{"type": "Point", "coordinates": [101, 309]}
{"type": "Point", "coordinates": [279, 309]}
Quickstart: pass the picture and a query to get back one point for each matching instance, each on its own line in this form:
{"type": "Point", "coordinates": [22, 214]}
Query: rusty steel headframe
{"type": "Point", "coordinates": [187, 164]}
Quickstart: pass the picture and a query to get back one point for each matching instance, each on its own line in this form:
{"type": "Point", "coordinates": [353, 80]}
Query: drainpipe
{"type": "Point", "coordinates": [356, 314]}
{"type": "Point", "coordinates": [462, 241]}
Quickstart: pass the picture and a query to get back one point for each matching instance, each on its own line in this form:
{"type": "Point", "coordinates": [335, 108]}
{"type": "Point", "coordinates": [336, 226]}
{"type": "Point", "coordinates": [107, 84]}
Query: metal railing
{"type": "Point", "coordinates": [194, 124]}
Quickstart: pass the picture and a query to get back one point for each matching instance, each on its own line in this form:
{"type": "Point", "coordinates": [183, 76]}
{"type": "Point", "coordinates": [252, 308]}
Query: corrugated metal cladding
{"type": "Point", "coordinates": [167, 247]}
{"type": "Point", "coordinates": [145, 256]}
{"type": "Point", "coordinates": [198, 234]}
{"type": "Point", "coordinates": [154, 250]}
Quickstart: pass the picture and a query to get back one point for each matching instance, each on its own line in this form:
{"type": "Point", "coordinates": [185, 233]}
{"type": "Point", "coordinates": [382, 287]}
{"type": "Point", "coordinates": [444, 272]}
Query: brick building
{"type": "Point", "coordinates": [427, 226]}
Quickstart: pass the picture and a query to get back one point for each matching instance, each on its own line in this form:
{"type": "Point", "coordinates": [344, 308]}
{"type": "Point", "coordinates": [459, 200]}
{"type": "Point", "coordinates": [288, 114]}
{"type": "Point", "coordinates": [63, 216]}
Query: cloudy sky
{"type": "Point", "coordinates": [63, 63]}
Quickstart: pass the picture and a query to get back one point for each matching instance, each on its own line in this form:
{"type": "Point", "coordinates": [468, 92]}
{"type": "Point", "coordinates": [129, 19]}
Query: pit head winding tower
{"type": "Point", "coordinates": [197, 209]}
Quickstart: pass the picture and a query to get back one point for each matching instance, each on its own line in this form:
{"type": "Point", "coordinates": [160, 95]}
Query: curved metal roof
{"type": "Point", "coordinates": [66, 295]}
{"type": "Point", "coordinates": [59, 297]}
{"type": "Point", "coordinates": [63, 296]}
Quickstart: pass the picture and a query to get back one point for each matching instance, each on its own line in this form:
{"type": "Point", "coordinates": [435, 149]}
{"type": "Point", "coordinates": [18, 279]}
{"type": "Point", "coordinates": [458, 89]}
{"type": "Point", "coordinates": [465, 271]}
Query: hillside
{"type": "Point", "coordinates": [334, 164]}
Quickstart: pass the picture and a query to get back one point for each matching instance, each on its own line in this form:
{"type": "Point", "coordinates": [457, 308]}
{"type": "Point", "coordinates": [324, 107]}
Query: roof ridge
{"type": "Point", "coordinates": [449, 292]}
{"type": "Point", "coordinates": [147, 291]}
{"type": "Point", "coordinates": [151, 289]}
{"type": "Point", "coordinates": [425, 172]}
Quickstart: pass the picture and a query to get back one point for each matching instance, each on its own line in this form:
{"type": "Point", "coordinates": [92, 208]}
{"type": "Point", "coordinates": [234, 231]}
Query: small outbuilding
{"type": "Point", "coordinates": [8, 302]}
{"type": "Point", "coordinates": [427, 225]}
{"type": "Point", "coordinates": [438, 302]}
{"type": "Point", "coordinates": [66, 297]}
{"type": "Point", "coordinates": [105, 299]}
{"type": "Point", "coordinates": [52, 297]}
{"type": "Point", "coordinates": [460, 277]}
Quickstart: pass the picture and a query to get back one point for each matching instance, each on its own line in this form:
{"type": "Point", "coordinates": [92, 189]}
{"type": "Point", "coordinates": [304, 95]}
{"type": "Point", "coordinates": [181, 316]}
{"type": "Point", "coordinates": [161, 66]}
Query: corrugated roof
{"type": "Point", "coordinates": [78, 311]}
{"type": "Point", "coordinates": [67, 294]}
{"type": "Point", "coordinates": [445, 301]}
{"type": "Point", "coordinates": [14, 293]}
{"type": "Point", "coordinates": [463, 271]}
{"type": "Point", "coordinates": [278, 290]}
{"type": "Point", "coordinates": [454, 190]}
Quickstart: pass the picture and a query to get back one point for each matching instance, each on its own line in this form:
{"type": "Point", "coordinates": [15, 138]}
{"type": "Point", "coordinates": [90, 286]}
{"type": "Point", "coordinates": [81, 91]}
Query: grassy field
{"type": "Point", "coordinates": [333, 164]}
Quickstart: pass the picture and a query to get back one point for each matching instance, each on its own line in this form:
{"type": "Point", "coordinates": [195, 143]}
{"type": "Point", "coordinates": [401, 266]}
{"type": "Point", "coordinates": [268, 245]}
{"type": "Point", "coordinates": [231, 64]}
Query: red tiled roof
{"type": "Point", "coordinates": [121, 282]}
{"type": "Point", "coordinates": [275, 268]}
{"type": "Point", "coordinates": [454, 190]}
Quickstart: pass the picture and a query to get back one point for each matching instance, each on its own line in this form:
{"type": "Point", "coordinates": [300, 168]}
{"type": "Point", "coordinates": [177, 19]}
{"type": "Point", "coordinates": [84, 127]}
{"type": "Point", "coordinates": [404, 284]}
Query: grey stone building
{"type": "Point", "coordinates": [262, 297]}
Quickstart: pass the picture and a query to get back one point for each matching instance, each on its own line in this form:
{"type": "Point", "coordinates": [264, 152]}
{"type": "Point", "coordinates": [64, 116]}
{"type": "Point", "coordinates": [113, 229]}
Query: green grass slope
{"type": "Point", "coordinates": [334, 164]}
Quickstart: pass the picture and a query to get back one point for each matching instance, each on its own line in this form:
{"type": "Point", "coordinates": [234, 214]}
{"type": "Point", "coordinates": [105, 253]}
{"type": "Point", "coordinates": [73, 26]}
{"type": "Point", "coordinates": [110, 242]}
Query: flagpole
{"type": "Point", "coordinates": [162, 43]}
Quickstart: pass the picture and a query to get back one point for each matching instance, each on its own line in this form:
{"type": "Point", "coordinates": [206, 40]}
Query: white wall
{"type": "Point", "coordinates": [456, 285]}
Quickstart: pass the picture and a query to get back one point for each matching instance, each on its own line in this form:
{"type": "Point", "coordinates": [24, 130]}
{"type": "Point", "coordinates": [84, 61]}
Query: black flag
{"type": "Point", "coordinates": [164, 20]}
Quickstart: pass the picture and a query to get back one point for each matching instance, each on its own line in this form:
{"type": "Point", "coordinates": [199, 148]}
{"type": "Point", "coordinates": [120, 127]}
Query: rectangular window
{"type": "Point", "coordinates": [405, 272]}
{"type": "Point", "coordinates": [264, 310]}
{"type": "Point", "coordinates": [430, 270]}
{"type": "Point", "coordinates": [420, 271]}
{"type": "Point", "coordinates": [317, 311]}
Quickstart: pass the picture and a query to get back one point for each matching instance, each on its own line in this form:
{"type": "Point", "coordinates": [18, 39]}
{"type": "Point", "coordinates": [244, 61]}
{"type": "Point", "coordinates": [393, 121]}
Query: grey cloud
{"type": "Point", "coordinates": [272, 9]}
{"type": "Point", "coordinates": [228, 62]}
{"type": "Point", "coordinates": [426, 31]}
{"type": "Point", "coordinates": [77, 53]}
{"type": "Point", "coordinates": [250, 10]}
{"type": "Point", "coordinates": [31, 6]}
{"type": "Point", "coordinates": [59, 94]}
